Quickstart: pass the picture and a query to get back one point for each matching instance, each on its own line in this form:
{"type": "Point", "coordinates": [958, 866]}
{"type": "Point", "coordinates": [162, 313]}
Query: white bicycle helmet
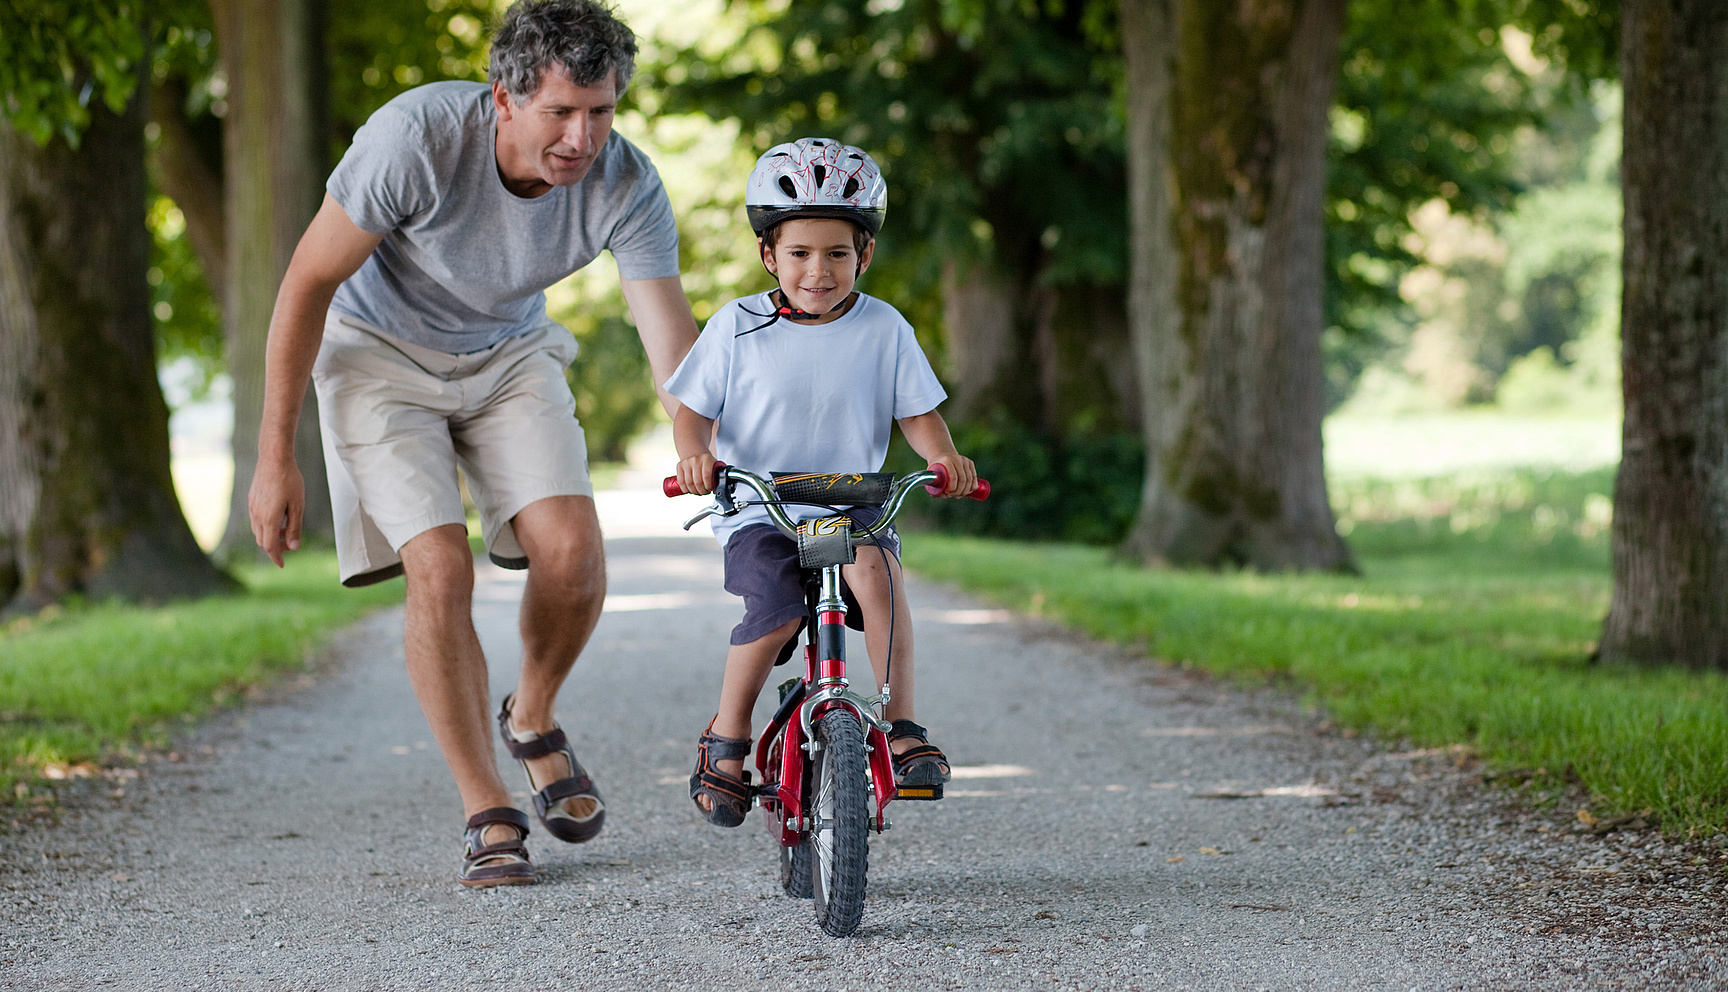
{"type": "Point", "coordinates": [816, 177]}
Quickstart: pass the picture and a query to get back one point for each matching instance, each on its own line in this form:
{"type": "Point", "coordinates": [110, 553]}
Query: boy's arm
{"type": "Point", "coordinates": [690, 433]}
{"type": "Point", "coordinates": [928, 435]}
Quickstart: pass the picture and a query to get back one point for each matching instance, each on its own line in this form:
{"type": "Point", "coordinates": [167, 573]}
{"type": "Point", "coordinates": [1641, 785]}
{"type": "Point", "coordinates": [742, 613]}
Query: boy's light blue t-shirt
{"type": "Point", "coordinates": [464, 261]}
{"type": "Point", "coordinates": [804, 397]}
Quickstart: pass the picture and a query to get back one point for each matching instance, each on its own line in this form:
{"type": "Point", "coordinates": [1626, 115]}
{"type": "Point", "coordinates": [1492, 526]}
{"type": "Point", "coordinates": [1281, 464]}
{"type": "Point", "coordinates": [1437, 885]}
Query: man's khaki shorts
{"type": "Point", "coordinates": [399, 419]}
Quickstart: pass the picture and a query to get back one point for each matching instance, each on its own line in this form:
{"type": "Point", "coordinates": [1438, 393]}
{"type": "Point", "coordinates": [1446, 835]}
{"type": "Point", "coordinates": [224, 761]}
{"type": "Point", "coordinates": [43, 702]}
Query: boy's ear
{"type": "Point", "coordinates": [767, 255]}
{"type": "Point", "coordinates": [864, 258]}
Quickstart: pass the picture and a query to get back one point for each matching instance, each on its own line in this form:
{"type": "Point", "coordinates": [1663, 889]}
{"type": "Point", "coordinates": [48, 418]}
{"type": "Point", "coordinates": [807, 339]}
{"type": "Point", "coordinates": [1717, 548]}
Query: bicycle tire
{"type": "Point", "coordinates": [840, 836]}
{"type": "Point", "coordinates": [795, 869]}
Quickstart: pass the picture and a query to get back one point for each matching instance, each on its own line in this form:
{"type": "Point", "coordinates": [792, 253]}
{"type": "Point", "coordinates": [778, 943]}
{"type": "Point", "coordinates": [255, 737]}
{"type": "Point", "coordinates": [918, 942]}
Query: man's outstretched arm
{"type": "Point", "coordinates": [666, 326]}
{"type": "Point", "coordinates": [331, 250]}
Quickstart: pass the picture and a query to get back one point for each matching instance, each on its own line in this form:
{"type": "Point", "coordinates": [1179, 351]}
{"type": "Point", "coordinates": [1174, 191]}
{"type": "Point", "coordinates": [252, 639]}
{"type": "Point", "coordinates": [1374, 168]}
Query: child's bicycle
{"type": "Point", "coordinates": [827, 774]}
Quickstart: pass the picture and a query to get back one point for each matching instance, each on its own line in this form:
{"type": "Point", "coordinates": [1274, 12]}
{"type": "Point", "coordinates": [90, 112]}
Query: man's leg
{"type": "Point", "coordinates": [445, 664]}
{"type": "Point", "coordinates": [561, 605]}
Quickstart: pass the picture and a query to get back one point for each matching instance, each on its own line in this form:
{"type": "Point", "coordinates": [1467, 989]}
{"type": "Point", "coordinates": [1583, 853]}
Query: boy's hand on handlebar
{"type": "Point", "coordinates": [962, 474]}
{"type": "Point", "coordinates": [696, 473]}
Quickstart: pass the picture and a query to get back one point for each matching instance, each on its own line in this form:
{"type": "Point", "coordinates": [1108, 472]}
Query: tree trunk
{"type": "Point", "coordinates": [87, 503]}
{"type": "Point", "coordinates": [1048, 358]}
{"type": "Point", "coordinates": [1671, 498]}
{"type": "Point", "coordinates": [1227, 150]}
{"type": "Point", "coordinates": [273, 182]}
{"type": "Point", "coordinates": [191, 182]}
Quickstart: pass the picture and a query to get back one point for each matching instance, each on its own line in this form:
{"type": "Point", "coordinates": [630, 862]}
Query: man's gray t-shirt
{"type": "Point", "coordinates": [464, 262]}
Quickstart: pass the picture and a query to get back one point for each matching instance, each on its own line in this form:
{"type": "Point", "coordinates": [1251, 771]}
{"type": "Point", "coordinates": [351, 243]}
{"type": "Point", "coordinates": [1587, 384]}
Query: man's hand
{"type": "Point", "coordinates": [962, 474]}
{"type": "Point", "coordinates": [331, 250]}
{"type": "Point", "coordinates": [276, 504]}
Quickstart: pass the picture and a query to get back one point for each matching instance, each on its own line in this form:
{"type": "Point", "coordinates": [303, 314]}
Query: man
{"type": "Point", "coordinates": [415, 302]}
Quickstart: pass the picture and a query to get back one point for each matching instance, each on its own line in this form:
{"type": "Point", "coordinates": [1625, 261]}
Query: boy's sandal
{"type": "Point", "coordinates": [922, 769]}
{"type": "Point", "coordinates": [549, 802]}
{"type": "Point", "coordinates": [729, 796]}
{"type": "Point", "coordinates": [504, 863]}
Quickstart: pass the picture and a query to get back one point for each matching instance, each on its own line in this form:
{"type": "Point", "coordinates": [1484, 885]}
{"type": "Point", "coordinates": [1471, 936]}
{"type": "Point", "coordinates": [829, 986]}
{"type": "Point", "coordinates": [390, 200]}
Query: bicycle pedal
{"type": "Point", "coordinates": [919, 793]}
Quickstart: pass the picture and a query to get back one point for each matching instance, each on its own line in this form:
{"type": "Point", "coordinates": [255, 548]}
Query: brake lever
{"type": "Point", "coordinates": [724, 505]}
{"type": "Point", "coordinates": [707, 511]}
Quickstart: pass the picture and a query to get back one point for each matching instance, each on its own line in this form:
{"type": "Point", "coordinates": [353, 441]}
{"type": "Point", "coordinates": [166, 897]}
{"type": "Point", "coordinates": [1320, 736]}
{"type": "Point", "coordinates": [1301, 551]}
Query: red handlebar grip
{"type": "Point", "coordinates": [941, 484]}
{"type": "Point", "coordinates": [671, 486]}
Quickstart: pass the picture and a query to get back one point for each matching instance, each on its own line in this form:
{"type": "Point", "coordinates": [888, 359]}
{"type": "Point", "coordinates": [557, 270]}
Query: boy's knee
{"type": "Point", "coordinates": [779, 635]}
{"type": "Point", "coordinates": [868, 580]}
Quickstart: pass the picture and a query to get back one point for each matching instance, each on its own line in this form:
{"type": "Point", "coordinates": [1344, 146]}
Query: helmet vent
{"type": "Point", "coordinates": [821, 175]}
{"type": "Point", "coordinates": [851, 187]}
{"type": "Point", "coordinates": [787, 187]}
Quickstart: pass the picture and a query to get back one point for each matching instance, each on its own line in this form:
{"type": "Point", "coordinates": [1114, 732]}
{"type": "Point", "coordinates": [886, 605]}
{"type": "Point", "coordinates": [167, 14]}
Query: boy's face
{"type": "Point", "coordinates": [816, 263]}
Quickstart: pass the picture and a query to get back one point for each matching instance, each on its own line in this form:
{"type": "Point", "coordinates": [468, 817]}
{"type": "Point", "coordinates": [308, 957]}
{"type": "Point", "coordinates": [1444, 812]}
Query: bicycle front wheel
{"type": "Point", "coordinates": [840, 836]}
{"type": "Point", "coordinates": [795, 869]}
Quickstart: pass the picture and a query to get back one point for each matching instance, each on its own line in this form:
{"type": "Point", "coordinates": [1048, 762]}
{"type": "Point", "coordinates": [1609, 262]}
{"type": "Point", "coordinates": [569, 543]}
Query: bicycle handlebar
{"type": "Point", "coordinates": [671, 487]}
{"type": "Point", "coordinates": [936, 476]}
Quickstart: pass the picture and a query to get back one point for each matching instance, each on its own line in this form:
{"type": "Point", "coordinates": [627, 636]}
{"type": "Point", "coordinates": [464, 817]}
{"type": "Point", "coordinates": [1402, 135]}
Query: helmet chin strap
{"type": "Point", "coordinates": [787, 310]}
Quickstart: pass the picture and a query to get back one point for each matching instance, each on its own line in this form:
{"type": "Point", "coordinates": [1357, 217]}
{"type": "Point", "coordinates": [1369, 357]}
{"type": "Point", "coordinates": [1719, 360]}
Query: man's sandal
{"type": "Point", "coordinates": [729, 796]}
{"type": "Point", "coordinates": [921, 770]}
{"type": "Point", "coordinates": [504, 863]}
{"type": "Point", "coordinates": [549, 802]}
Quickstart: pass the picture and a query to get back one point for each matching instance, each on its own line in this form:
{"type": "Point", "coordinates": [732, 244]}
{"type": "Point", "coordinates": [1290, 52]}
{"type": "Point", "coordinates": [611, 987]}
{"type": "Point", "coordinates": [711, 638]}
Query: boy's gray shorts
{"type": "Point", "coordinates": [398, 420]}
{"type": "Point", "coordinates": [762, 567]}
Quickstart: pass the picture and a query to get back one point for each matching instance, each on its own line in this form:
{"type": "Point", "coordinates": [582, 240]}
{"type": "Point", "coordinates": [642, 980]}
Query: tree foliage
{"type": "Point", "coordinates": [58, 55]}
{"type": "Point", "coordinates": [374, 51]}
{"type": "Point", "coordinates": [994, 121]}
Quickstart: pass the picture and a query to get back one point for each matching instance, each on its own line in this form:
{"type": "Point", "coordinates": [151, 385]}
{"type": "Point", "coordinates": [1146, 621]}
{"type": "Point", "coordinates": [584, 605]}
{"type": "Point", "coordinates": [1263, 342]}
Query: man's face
{"type": "Point", "coordinates": [553, 139]}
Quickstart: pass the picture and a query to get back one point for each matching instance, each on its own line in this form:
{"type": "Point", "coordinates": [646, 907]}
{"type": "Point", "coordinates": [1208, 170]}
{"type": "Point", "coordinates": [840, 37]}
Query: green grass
{"type": "Point", "coordinates": [93, 683]}
{"type": "Point", "coordinates": [1473, 623]}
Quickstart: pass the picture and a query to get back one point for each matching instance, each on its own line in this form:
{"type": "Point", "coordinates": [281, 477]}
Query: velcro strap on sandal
{"type": "Point", "coordinates": [906, 728]}
{"type": "Point", "coordinates": [919, 752]}
{"type": "Point", "coordinates": [725, 748]}
{"type": "Point", "coordinates": [566, 788]}
{"type": "Point", "coordinates": [514, 847]}
{"type": "Point", "coordinates": [551, 742]}
{"type": "Point", "coordinates": [500, 814]}
{"type": "Point", "coordinates": [721, 782]}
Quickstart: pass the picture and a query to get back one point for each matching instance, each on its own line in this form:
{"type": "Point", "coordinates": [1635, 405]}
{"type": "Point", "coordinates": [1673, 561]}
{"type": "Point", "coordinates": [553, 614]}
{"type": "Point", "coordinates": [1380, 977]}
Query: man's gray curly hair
{"type": "Point", "coordinates": [580, 36]}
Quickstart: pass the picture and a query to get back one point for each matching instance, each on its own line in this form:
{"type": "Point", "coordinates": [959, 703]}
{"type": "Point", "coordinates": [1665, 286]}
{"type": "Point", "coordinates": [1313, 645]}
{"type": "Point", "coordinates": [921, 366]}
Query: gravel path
{"type": "Point", "coordinates": [310, 841]}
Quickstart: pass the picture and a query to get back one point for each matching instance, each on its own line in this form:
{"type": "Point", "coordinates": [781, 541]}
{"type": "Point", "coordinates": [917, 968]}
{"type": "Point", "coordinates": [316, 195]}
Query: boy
{"type": "Point", "coordinates": [807, 378]}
